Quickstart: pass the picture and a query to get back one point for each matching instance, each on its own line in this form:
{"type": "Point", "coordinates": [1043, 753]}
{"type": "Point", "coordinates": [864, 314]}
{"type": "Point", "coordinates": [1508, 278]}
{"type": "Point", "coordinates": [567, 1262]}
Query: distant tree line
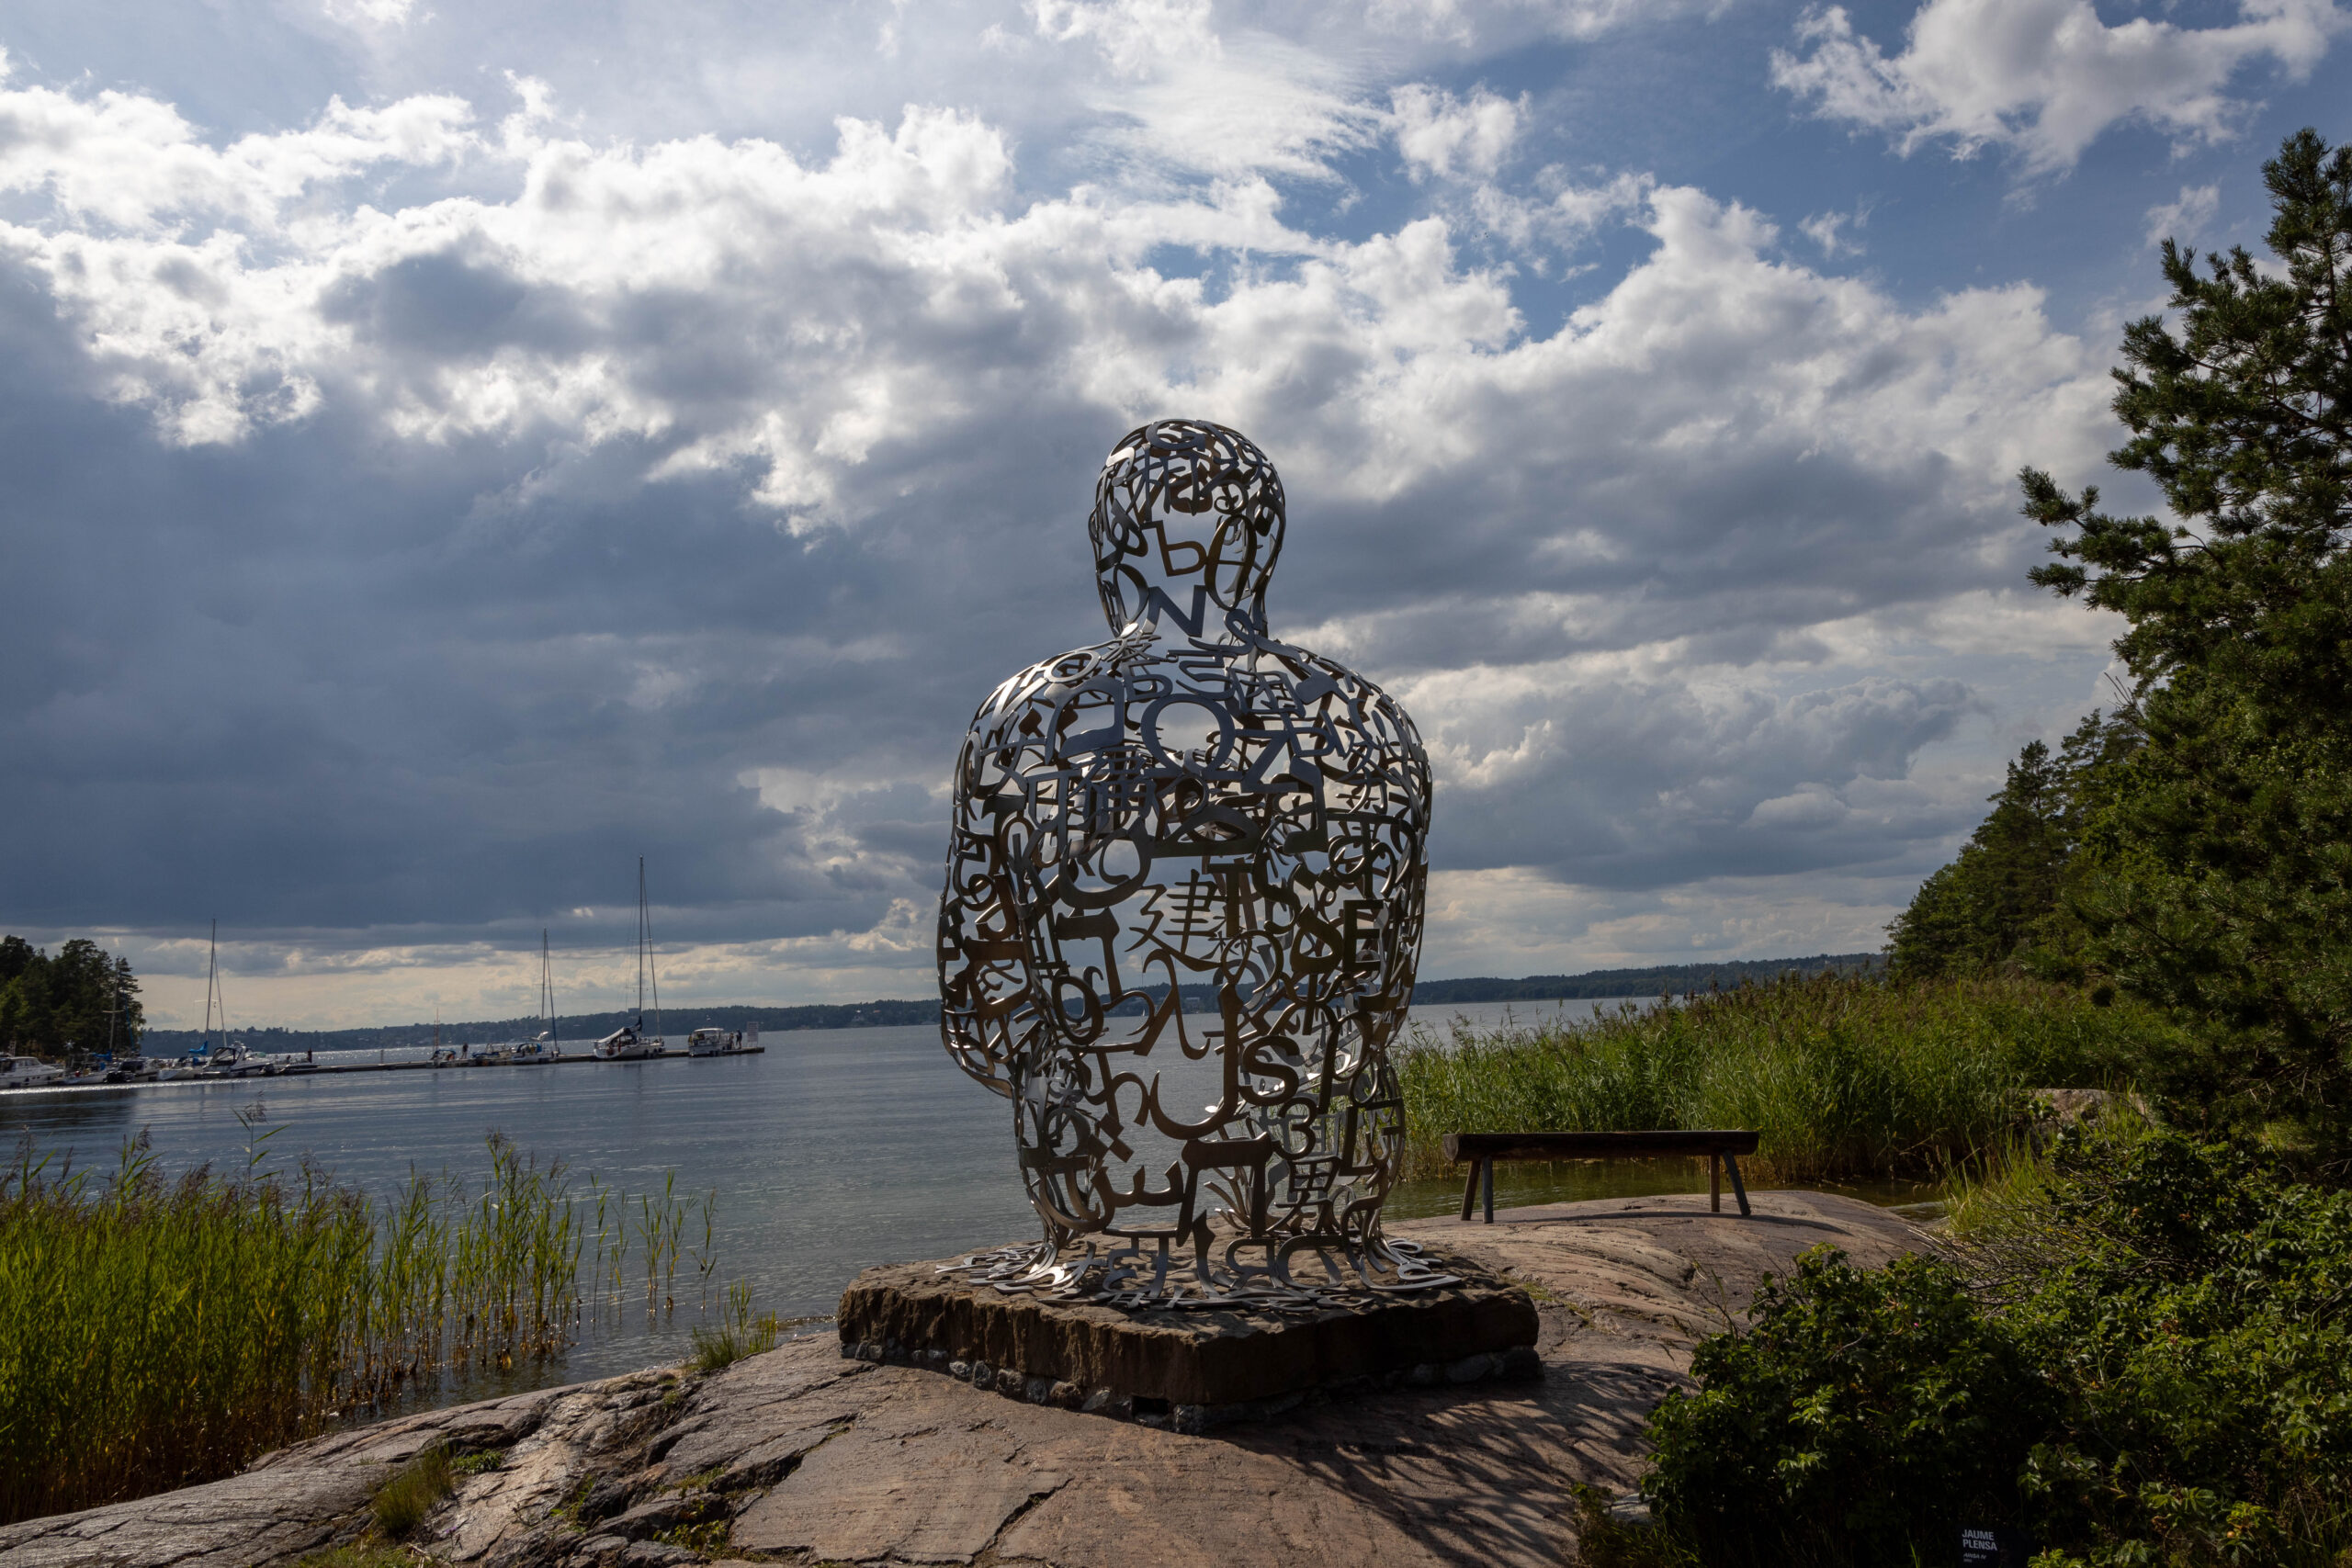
{"type": "Point", "coordinates": [905, 1012]}
{"type": "Point", "coordinates": [2194, 846]}
{"type": "Point", "coordinates": [72, 1001]}
{"type": "Point", "coordinates": [1657, 980]}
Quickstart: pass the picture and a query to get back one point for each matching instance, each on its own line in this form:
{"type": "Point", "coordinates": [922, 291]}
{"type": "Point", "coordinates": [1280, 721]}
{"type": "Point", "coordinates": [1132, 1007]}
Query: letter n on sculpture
{"type": "Point", "coordinates": [1191, 804]}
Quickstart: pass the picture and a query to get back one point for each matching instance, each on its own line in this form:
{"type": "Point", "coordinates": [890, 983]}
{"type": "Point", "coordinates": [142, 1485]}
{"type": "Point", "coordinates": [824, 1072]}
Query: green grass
{"type": "Point", "coordinates": [367, 1554]}
{"type": "Point", "coordinates": [737, 1334]}
{"type": "Point", "coordinates": [402, 1501]}
{"type": "Point", "coordinates": [1845, 1078]}
{"type": "Point", "coordinates": [157, 1334]}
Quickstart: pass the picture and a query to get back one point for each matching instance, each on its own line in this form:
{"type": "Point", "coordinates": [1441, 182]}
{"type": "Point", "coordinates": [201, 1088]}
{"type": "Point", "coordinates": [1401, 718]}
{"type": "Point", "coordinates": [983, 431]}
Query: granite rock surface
{"type": "Point", "coordinates": [805, 1456]}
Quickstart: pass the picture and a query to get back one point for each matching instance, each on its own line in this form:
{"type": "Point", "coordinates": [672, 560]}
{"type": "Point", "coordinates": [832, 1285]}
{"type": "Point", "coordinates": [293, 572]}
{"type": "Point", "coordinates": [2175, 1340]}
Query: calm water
{"type": "Point", "coordinates": [833, 1150]}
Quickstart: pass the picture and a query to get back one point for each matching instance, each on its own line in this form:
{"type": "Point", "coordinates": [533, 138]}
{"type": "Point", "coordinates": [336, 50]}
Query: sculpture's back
{"type": "Point", "coordinates": [1191, 804]}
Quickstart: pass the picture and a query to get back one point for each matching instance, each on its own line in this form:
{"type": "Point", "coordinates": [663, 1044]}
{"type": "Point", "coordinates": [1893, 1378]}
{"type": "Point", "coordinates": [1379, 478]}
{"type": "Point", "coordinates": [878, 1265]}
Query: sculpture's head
{"type": "Point", "coordinates": [1183, 504]}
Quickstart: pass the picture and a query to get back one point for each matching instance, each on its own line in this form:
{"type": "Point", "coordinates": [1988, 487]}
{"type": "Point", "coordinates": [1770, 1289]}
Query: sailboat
{"type": "Point", "coordinates": [225, 1058]}
{"type": "Point", "coordinates": [628, 1044]}
{"type": "Point", "coordinates": [546, 1047]}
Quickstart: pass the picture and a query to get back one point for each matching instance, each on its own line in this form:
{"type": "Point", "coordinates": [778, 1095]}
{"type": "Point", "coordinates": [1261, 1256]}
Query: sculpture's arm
{"type": "Point", "coordinates": [985, 1013]}
{"type": "Point", "coordinates": [1378, 782]}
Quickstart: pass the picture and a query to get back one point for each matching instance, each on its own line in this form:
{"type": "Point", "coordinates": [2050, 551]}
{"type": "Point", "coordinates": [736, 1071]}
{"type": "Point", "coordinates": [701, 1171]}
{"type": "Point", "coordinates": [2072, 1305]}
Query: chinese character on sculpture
{"type": "Point", "coordinates": [1191, 805]}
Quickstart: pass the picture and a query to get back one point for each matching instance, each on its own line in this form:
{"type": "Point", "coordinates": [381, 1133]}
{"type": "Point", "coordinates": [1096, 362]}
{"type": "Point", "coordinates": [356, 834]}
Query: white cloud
{"type": "Point", "coordinates": [298, 985]}
{"type": "Point", "coordinates": [1444, 137]}
{"type": "Point", "coordinates": [2045, 77]}
{"type": "Point", "coordinates": [369, 13]}
{"type": "Point", "coordinates": [1470, 22]}
{"type": "Point", "coordinates": [2187, 217]}
{"type": "Point", "coordinates": [1830, 230]}
{"type": "Point", "coordinates": [1632, 571]}
{"type": "Point", "coordinates": [1513, 922]}
{"type": "Point", "coordinates": [1186, 98]}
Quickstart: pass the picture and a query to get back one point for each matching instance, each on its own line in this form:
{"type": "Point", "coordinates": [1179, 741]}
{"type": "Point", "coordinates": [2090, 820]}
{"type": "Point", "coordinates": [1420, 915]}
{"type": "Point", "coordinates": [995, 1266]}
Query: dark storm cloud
{"type": "Point", "coordinates": [1639, 784]}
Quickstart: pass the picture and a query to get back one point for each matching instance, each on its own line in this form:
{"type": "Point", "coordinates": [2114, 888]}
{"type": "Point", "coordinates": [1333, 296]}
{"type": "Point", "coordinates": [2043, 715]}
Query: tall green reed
{"type": "Point", "coordinates": [1844, 1077]}
{"type": "Point", "coordinates": [157, 1332]}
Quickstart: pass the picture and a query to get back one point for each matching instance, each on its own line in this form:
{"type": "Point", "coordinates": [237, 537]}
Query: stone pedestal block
{"type": "Point", "coordinates": [1192, 1367]}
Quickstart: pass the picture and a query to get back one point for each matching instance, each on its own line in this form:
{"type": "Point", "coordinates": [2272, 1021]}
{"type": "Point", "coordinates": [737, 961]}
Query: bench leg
{"type": "Point", "coordinates": [1490, 1192]}
{"type": "Point", "coordinates": [1738, 1188]}
{"type": "Point", "coordinates": [1715, 1184]}
{"type": "Point", "coordinates": [1470, 1190]}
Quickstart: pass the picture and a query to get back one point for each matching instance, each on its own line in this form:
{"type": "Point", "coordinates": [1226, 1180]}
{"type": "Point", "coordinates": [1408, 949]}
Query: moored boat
{"type": "Point", "coordinates": [236, 1060]}
{"type": "Point", "coordinates": [629, 1042]}
{"type": "Point", "coordinates": [722, 1042]}
{"type": "Point", "coordinates": [29, 1072]}
{"type": "Point", "coordinates": [547, 1048]}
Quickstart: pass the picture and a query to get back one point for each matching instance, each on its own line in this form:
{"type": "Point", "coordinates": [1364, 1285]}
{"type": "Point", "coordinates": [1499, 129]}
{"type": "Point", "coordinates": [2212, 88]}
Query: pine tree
{"type": "Point", "coordinates": [1974, 913]}
{"type": "Point", "coordinates": [2216, 876]}
{"type": "Point", "coordinates": [80, 998]}
{"type": "Point", "coordinates": [1998, 905]}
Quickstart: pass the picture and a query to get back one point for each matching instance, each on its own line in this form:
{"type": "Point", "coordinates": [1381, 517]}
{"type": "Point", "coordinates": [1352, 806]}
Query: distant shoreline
{"type": "Point", "coordinates": [1660, 980]}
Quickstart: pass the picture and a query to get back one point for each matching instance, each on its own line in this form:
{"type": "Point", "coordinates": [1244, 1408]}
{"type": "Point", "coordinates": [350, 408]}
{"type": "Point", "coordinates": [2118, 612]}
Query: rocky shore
{"type": "Point", "coordinates": [806, 1456]}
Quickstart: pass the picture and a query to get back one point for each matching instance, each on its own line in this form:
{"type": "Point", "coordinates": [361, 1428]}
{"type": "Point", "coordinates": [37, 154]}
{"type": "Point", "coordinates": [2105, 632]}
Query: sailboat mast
{"type": "Point", "coordinates": [640, 942]}
{"type": "Point", "coordinates": [546, 989]}
{"type": "Point", "coordinates": [212, 989]}
{"type": "Point", "coordinates": [645, 950]}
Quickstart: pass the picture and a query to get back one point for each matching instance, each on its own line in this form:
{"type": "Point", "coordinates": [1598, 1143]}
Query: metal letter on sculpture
{"type": "Point", "coordinates": [1191, 805]}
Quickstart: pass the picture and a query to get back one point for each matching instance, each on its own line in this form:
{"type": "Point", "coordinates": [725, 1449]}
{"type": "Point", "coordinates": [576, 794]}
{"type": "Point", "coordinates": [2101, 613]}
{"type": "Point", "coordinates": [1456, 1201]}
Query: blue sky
{"type": "Point", "coordinates": [446, 453]}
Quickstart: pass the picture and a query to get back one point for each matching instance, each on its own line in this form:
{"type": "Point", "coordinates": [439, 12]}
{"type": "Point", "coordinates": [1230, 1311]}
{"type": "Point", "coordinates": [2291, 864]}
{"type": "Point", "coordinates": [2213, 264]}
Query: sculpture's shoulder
{"type": "Point", "coordinates": [1020, 703]}
{"type": "Point", "coordinates": [1103, 695]}
{"type": "Point", "coordinates": [1350, 707]}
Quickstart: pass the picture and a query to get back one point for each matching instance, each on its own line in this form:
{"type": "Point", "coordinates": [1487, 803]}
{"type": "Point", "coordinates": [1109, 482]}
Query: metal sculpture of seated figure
{"type": "Point", "coordinates": [1191, 804]}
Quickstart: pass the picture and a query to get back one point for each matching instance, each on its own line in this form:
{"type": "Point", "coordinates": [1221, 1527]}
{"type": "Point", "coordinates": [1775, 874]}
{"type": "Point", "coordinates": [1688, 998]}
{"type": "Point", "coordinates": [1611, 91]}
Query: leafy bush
{"type": "Point", "coordinates": [1865, 1411]}
{"type": "Point", "coordinates": [2148, 1360]}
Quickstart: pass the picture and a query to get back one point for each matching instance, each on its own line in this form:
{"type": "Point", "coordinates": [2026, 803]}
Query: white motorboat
{"type": "Point", "coordinates": [721, 1041]}
{"type": "Point", "coordinates": [29, 1072]}
{"type": "Point", "coordinates": [235, 1060]}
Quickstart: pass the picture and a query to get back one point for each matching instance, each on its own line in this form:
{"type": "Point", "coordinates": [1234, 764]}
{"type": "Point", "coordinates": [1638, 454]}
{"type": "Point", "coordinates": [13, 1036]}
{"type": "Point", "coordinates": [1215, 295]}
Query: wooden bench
{"type": "Point", "coordinates": [1482, 1149]}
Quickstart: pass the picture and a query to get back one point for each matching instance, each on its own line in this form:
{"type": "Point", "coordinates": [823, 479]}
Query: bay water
{"type": "Point", "coordinates": [831, 1151]}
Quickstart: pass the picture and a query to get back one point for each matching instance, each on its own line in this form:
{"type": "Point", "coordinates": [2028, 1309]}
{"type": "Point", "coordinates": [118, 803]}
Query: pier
{"type": "Point", "coordinates": [463, 1064]}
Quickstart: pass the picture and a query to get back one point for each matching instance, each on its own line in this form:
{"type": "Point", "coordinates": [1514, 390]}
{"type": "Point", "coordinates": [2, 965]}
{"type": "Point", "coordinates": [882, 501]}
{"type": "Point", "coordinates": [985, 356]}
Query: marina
{"type": "Point", "coordinates": [233, 1060]}
{"type": "Point", "coordinates": [249, 1066]}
